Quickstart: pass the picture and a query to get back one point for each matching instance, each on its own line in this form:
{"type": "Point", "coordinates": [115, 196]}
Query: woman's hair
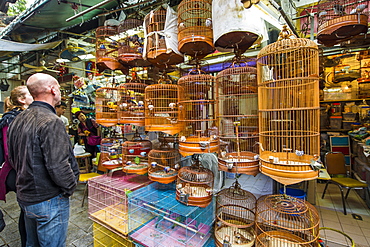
{"type": "Point", "coordinates": [12, 101]}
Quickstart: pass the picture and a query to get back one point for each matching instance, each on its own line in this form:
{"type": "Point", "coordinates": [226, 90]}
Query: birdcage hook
{"type": "Point", "coordinates": [286, 33]}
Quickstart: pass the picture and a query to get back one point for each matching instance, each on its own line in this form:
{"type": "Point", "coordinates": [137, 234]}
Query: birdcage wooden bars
{"type": "Point", "coordinates": [288, 101]}
{"type": "Point", "coordinates": [157, 51]}
{"type": "Point", "coordinates": [106, 106]}
{"type": "Point", "coordinates": [238, 119]}
{"type": "Point", "coordinates": [164, 164]}
{"type": "Point", "coordinates": [195, 27]}
{"type": "Point", "coordinates": [341, 20]}
{"type": "Point", "coordinates": [282, 220]}
{"type": "Point", "coordinates": [161, 108]}
{"type": "Point", "coordinates": [235, 216]}
{"type": "Point", "coordinates": [135, 155]}
{"type": "Point", "coordinates": [194, 185]}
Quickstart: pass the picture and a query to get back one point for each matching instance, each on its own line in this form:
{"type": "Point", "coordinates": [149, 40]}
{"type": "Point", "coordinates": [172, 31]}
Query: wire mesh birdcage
{"type": "Point", "coordinates": [135, 155]}
{"type": "Point", "coordinates": [162, 109]}
{"type": "Point", "coordinates": [131, 43]}
{"type": "Point", "coordinates": [161, 34]}
{"type": "Point", "coordinates": [194, 186]}
{"type": "Point", "coordinates": [282, 220]}
{"type": "Point", "coordinates": [107, 49]}
{"type": "Point", "coordinates": [341, 20]}
{"type": "Point", "coordinates": [289, 110]}
{"type": "Point", "coordinates": [106, 106]}
{"type": "Point", "coordinates": [235, 216]}
{"type": "Point", "coordinates": [238, 119]}
{"type": "Point", "coordinates": [164, 164]}
{"type": "Point", "coordinates": [131, 103]}
{"type": "Point", "coordinates": [195, 27]}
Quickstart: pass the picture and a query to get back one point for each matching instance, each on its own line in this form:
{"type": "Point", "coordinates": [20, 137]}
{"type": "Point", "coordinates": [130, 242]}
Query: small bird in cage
{"type": "Point", "coordinates": [123, 106]}
{"type": "Point", "coordinates": [172, 105]}
{"type": "Point", "coordinates": [209, 22]}
{"type": "Point", "coordinates": [151, 107]}
{"type": "Point", "coordinates": [181, 26]}
{"type": "Point", "coordinates": [299, 153]}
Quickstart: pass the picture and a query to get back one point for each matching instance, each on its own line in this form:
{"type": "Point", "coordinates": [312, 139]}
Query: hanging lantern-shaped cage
{"type": "Point", "coordinates": [288, 101]}
{"type": "Point", "coordinates": [131, 43]}
{"type": "Point", "coordinates": [106, 106]}
{"type": "Point", "coordinates": [161, 37]}
{"type": "Point", "coordinates": [194, 186]}
{"type": "Point", "coordinates": [238, 119]}
{"type": "Point", "coordinates": [161, 108]}
{"type": "Point", "coordinates": [195, 33]}
{"type": "Point", "coordinates": [107, 49]}
{"type": "Point", "coordinates": [164, 164]}
{"type": "Point", "coordinates": [135, 155]}
{"type": "Point", "coordinates": [235, 216]}
{"type": "Point", "coordinates": [282, 220]}
{"type": "Point", "coordinates": [197, 104]}
{"type": "Point", "coordinates": [131, 104]}
{"type": "Point", "coordinates": [341, 20]}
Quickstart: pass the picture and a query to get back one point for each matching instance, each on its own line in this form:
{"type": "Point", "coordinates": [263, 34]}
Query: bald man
{"type": "Point", "coordinates": [47, 173]}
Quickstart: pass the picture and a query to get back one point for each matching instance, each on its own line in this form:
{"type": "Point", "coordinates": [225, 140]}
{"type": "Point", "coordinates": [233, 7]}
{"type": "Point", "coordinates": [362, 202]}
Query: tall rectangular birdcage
{"type": "Point", "coordinates": [108, 203]}
{"type": "Point", "coordinates": [158, 219]}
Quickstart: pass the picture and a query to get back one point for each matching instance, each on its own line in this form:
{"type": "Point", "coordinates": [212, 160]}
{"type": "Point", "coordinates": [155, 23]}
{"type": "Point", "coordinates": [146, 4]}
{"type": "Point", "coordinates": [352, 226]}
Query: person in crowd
{"type": "Point", "coordinates": [19, 99]}
{"type": "Point", "coordinates": [60, 110]}
{"type": "Point", "coordinates": [89, 130]}
{"type": "Point", "coordinates": [46, 170]}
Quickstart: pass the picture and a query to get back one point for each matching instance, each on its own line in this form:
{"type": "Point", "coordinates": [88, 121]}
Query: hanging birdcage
{"type": "Point", "coordinates": [162, 109]}
{"type": "Point", "coordinates": [131, 43]}
{"type": "Point", "coordinates": [235, 215]}
{"type": "Point", "coordinates": [195, 32]}
{"type": "Point", "coordinates": [106, 106]}
{"type": "Point", "coordinates": [135, 155]}
{"type": "Point", "coordinates": [194, 185]}
{"type": "Point", "coordinates": [107, 49]}
{"type": "Point", "coordinates": [282, 220]}
{"type": "Point", "coordinates": [288, 101]}
{"type": "Point", "coordinates": [131, 104]}
{"type": "Point", "coordinates": [197, 104]}
{"type": "Point", "coordinates": [341, 20]}
{"type": "Point", "coordinates": [238, 119]}
{"type": "Point", "coordinates": [232, 29]}
{"type": "Point", "coordinates": [164, 164]}
{"type": "Point", "coordinates": [161, 36]}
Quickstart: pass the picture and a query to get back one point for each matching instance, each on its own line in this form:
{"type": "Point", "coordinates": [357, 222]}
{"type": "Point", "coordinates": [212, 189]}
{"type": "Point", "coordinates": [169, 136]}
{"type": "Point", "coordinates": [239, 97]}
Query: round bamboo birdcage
{"type": "Point", "coordinates": [131, 43]}
{"type": "Point", "coordinates": [160, 33]}
{"type": "Point", "coordinates": [106, 106]}
{"type": "Point", "coordinates": [161, 108]}
{"type": "Point", "coordinates": [195, 33]}
{"type": "Point", "coordinates": [107, 49]}
{"type": "Point", "coordinates": [282, 220]}
{"type": "Point", "coordinates": [194, 185]}
{"type": "Point", "coordinates": [135, 155]}
{"type": "Point", "coordinates": [164, 164]}
{"type": "Point", "coordinates": [289, 110]}
{"type": "Point", "coordinates": [238, 119]}
{"type": "Point", "coordinates": [131, 104]}
{"type": "Point", "coordinates": [235, 216]}
{"type": "Point", "coordinates": [341, 20]}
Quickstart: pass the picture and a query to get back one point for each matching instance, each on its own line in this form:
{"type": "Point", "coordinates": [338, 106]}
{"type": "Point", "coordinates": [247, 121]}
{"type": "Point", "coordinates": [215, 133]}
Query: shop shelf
{"type": "Point", "coordinates": [158, 219]}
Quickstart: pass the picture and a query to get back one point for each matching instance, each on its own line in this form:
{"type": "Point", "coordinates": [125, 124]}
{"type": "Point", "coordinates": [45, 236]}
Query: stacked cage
{"type": "Point", "coordinates": [288, 101]}
{"type": "Point", "coordinates": [157, 219]}
{"type": "Point", "coordinates": [341, 20]}
{"type": "Point", "coordinates": [161, 34]}
{"type": "Point", "coordinates": [131, 104]}
{"type": "Point", "coordinates": [282, 220]}
{"type": "Point", "coordinates": [106, 106]}
{"type": "Point", "coordinates": [238, 119]}
{"type": "Point", "coordinates": [194, 185]}
{"type": "Point", "coordinates": [161, 107]}
{"type": "Point", "coordinates": [164, 164]}
{"type": "Point", "coordinates": [135, 155]}
{"type": "Point", "coordinates": [111, 152]}
{"type": "Point", "coordinates": [107, 49]}
{"type": "Point", "coordinates": [131, 43]}
{"type": "Point", "coordinates": [108, 202]}
{"type": "Point", "coordinates": [197, 104]}
{"type": "Point", "coordinates": [195, 33]}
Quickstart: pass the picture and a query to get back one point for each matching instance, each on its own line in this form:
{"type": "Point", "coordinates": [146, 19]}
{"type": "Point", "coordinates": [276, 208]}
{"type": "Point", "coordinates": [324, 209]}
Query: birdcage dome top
{"type": "Point", "coordinates": [235, 192]}
{"type": "Point", "coordinates": [197, 174]}
{"type": "Point", "coordinates": [237, 70]}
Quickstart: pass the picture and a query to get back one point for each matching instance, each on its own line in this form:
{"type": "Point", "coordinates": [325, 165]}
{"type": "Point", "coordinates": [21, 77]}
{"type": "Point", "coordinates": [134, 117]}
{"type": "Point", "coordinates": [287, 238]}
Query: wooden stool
{"type": "Point", "coordinates": [83, 162]}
